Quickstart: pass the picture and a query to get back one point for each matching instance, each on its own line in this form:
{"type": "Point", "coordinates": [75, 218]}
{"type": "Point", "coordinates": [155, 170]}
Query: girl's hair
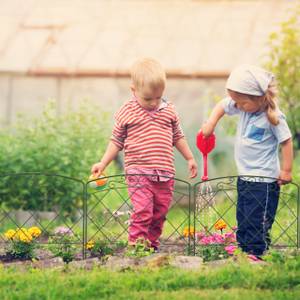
{"type": "Point", "coordinates": [268, 101]}
{"type": "Point", "coordinates": [147, 72]}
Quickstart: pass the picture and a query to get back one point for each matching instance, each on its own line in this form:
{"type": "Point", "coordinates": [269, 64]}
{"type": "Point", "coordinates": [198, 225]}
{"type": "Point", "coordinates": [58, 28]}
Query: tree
{"type": "Point", "coordinates": [284, 62]}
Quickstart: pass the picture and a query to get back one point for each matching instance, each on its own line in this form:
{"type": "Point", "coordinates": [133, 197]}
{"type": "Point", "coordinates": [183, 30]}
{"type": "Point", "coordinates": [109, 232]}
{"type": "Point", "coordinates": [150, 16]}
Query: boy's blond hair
{"type": "Point", "coordinates": [147, 72]}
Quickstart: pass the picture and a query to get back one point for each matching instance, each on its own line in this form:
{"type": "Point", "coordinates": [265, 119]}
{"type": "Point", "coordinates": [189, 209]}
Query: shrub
{"type": "Point", "coordinates": [284, 61]}
{"type": "Point", "coordinates": [67, 145]}
{"type": "Point", "coordinates": [63, 244]}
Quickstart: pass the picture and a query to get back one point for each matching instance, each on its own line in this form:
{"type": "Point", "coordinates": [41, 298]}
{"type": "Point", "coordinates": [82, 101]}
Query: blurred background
{"type": "Point", "coordinates": [64, 71]}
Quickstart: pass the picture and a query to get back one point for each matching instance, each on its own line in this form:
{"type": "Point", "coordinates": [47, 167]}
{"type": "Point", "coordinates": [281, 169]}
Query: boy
{"type": "Point", "coordinates": [147, 127]}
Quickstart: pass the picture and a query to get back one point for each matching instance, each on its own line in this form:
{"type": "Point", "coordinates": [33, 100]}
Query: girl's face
{"type": "Point", "coordinates": [245, 103]}
{"type": "Point", "coordinates": [148, 98]}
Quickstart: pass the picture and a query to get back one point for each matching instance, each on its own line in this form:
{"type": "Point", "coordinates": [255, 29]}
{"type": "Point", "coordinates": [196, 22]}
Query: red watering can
{"type": "Point", "coordinates": [205, 145]}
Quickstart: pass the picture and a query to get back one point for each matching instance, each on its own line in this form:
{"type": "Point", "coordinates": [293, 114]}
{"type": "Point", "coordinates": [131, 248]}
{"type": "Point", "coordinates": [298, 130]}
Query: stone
{"type": "Point", "coordinates": [155, 260]}
{"type": "Point", "coordinates": [186, 262]}
{"type": "Point", "coordinates": [87, 264]}
{"type": "Point", "coordinates": [218, 263]}
{"type": "Point", "coordinates": [116, 263]}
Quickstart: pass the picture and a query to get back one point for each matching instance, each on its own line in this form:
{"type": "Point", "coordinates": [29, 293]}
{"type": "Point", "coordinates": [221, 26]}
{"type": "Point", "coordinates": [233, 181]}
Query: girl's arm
{"type": "Point", "coordinates": [217, 113]}
{"type": "Point", "coordinates": [287, 156]}
{"type": "Point", "coordinates": [111, 152]}
{"type": "Point", "coordinates": [183, 147]}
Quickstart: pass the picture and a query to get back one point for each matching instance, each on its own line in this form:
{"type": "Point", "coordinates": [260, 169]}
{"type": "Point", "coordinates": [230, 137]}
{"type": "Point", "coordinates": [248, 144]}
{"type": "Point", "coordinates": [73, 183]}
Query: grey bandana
{"type": "Point", "coordinates": [250, 80]}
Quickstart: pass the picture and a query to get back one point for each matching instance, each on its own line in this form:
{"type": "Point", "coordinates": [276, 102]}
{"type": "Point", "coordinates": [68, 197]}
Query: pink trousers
{"type": "Point", "coordinates": [151, 201]}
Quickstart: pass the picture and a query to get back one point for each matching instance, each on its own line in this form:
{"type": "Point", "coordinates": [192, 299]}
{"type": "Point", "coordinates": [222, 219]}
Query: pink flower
{"type": "Point", "coordinates": [230, 249]}
{"type": "Point", "coordinates": [200, 235]}
{"type": "Point", "coordinates": [63, 231]}
{"type": "Point", "coordinates": [205, 240]}
{"type": "Point", "coordinates": [230, 237]}
{"type": "Point", "coordinates": [234, 228]}
{"type": "Point", "coordinates": [217, 238]}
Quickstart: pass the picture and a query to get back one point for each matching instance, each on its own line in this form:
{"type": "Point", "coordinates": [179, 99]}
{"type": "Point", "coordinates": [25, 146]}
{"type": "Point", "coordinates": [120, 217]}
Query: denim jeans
{"type": "Point", "coordinates": [256, 209]}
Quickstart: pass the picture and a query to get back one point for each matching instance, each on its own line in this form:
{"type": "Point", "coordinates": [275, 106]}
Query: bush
{"type": "Point", "coordinates": [66, 145]}
{"type": "Point", "coordinates": [63, 244]}
{"type": "Point", "coordinates": [284, 61]}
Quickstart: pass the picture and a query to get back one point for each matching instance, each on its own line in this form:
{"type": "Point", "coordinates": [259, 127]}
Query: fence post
{"type": "Point", "coordinates": [298, 218]}
{"type": "Point", "coordinates": [84, 223]}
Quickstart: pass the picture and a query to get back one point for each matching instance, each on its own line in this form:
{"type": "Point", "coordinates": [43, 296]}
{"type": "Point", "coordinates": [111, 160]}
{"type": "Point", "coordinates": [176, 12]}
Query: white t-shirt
{"type": "Point", "coordinates": [257, 140]}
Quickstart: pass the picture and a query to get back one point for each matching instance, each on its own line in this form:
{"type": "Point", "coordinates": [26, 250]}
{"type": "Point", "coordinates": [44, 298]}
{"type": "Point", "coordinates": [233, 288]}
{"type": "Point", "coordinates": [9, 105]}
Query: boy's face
{"type": "Point", "coordinates": [148, 98]}
{"type": "Point", "coordinates": [244, 103]}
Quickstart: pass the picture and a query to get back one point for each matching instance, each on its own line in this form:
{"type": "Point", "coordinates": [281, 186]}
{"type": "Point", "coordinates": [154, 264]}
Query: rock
{"type": "Point", "coordinates": [218, 263]}
{"type": "Point", "coordinates": [116, 263]}
{"type": "Point", "coordinates": [87, 264]}
{"type": "Point", "coordinates": [48, 263]}
{"type": "Point", "coordinates": [18, 264]}
{"type": "Point", "coordinates": [186, 262]}
{"type": "Point", "coordinates": [155, 260]}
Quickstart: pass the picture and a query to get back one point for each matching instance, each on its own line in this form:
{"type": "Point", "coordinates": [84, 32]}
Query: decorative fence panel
{"type": "Point", "coordinates": [63, 206]}
{"type": "Point", "coordinates": [53, 203]}
{"type": "Point", "coordinates": [216, 200]}
{"type": "Point", "coordinates": [109, 210]}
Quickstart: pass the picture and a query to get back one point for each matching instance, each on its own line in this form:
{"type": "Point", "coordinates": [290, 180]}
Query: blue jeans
{"type": "Point", "coordinates": [256, 209]}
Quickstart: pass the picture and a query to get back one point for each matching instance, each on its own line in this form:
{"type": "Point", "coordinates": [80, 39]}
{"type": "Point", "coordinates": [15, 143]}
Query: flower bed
{"type": "Point", "coordinates": [216, 245]}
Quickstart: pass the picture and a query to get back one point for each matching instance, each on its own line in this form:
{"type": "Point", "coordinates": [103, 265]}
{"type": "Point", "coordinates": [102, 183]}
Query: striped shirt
{"type": "Point", "coordinates": [147, 137]}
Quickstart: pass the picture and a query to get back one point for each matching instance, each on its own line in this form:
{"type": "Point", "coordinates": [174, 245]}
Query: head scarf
{"type": "Point", "coordinates": [250, 80]}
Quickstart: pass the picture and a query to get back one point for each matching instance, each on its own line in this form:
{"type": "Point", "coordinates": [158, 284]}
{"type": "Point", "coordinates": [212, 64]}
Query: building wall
{"type": "Point", "coordinates": [29, 95]}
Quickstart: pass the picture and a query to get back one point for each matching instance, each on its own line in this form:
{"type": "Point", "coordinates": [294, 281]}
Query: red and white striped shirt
{"type": "Point", "coordinates": [147, 137]}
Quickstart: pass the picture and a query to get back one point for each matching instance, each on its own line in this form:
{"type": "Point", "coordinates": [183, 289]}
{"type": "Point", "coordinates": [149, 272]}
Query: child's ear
{"type": "Point", "coordinates": [132, 88]}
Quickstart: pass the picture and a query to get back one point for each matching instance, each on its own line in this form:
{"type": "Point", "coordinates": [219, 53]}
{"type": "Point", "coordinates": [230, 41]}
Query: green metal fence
{"type": "Point", "coordinates": [52, 202]}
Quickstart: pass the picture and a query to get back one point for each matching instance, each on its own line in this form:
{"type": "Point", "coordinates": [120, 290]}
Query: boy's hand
{"type": "Point", "coordinates": [284, 177]}
{"type": "Point", "coordinates": [192, 165]}
{"type": "Point", "coordinates": [97, 169]}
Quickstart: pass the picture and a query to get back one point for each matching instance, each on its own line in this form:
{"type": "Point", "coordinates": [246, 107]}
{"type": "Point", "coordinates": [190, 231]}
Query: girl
{"type": "Point", "coordinates": [261, 128]}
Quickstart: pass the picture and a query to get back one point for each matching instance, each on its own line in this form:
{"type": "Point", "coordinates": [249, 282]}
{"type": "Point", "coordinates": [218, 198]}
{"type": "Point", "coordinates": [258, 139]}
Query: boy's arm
{"type": "Point", "coordinates": [216, 114]}
{"type": "Point", "coordinates": [111, 152]}
{"type": "Point", "coordinates": [183, 147]}
{"type": "Point", "coordinates": [287, 155]}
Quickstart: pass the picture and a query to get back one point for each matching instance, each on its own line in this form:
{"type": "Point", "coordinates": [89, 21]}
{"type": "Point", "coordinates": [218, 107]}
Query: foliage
{"type": "Point", "coordinates": [67, 144]}
{"type": "Point", "coordinates": [63, 244]}
{"type": "Point", "coordinates": [102, 248]}
{"type": "Point", "coordinates": [284, 62]}
{"type": "Point", "coordinates": [141, 248]}
{"type": "Point", "coordinates": [22, 242]}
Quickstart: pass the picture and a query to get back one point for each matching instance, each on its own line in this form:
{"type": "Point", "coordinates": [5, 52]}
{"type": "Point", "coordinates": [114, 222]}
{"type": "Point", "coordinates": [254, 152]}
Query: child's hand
{"type": "Point", "coordinates": [207, 129]}
{"type": "Point", "coordinates": [284, 177]}
{"type": "Point", "coordinates": [192, 165]}
{"type": "Point", "coordinates": [97, 169]}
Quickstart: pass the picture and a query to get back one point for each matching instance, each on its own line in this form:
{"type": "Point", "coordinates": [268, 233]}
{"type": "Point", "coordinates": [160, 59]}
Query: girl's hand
{"type": "Point", "coordinates": [216, 114]}
{"type": "Point", "coordinates": [192, 165]}
{"type": "Point", "coordinates": [207, 129]}
{"type": "Point", "coordinates": [97, 169]}
{"type": "Point", "coordinates": [284, 177]}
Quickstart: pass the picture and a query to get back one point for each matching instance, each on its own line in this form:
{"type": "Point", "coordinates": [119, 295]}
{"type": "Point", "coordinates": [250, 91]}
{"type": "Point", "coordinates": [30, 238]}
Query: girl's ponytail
{"type": "Point", "coordinates": [271, 103]}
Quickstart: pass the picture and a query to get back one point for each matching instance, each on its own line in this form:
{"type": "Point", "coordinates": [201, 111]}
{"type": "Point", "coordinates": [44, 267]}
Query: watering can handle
{"type": "Point", "coordinates": [204, 177]}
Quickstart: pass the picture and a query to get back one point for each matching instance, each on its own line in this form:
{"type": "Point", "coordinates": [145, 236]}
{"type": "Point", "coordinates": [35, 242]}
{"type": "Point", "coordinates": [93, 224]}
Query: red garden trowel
{"type": "Point", "coordinates": [205, 145]}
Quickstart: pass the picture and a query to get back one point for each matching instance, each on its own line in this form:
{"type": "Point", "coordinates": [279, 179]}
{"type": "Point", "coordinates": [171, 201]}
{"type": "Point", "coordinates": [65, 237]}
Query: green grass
{"type": "Point", "coordinates": [274, 281]}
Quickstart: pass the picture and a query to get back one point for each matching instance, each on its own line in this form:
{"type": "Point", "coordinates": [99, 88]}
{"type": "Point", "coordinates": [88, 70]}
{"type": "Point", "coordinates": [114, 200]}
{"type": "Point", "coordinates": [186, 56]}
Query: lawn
{"type": "Point", "coordinates": [280, 279]}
